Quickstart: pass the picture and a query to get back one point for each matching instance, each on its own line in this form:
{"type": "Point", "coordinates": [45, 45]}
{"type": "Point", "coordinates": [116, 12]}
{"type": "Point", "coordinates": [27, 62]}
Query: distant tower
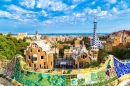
{"type": "Point", "coordinates": [94, 47]}
{"type": "Point", "coordinates": [37, 36]}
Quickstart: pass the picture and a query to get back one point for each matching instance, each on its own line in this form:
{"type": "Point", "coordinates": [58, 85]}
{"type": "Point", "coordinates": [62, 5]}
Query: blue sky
{"type": "Point", "coordinates": [63, 16]}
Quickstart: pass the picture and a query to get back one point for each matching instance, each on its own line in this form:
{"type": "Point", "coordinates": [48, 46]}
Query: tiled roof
{"type": "Point", "coordinates": [79, 51]}
{"type": "Point", "coordinates": [44, 45]}
{"type": "Point", "coordinates": [123, 31]}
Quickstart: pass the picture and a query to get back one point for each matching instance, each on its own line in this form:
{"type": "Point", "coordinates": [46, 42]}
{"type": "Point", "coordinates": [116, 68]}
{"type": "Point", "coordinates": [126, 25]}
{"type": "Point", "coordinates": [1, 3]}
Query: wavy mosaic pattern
{"type": "Point", "coordinates": [121, 68]}
{"type": "Point", "coordinates": [36, 79]}
{"type": "Point", "coordinates": [93, 77]}
{"type": "Point", "coordinates": [111, 72]}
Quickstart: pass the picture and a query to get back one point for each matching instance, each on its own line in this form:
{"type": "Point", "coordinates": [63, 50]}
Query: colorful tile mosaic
{"type": "Point", "coordinates": [91, 77]}
{"type": "Point", "coordinates": [121, 68]}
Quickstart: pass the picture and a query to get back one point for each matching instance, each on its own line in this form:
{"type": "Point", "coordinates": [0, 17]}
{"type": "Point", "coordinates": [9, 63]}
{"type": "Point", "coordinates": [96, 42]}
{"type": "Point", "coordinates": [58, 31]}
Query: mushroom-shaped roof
{"type": "Point", "coordinates": [79, 51]}
{"type": "Point", "coordinates": [44, 45]}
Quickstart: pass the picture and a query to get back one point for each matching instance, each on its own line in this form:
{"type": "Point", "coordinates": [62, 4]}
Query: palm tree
{"type": "Point", "coordinates": [55, 45]}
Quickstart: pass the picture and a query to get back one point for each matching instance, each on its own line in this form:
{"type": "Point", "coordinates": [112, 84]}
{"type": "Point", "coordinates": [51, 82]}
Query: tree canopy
{"type": "Point", "coordinates": [85, 39]}
{"type": "Point", "coordinates": [10, 46]}
{"type": "Point", "coordinates": [61, 51]}
{"type": "Point", "coordinates": [101, 54]}
{"type": "Point", "coordinates": [121, 53]}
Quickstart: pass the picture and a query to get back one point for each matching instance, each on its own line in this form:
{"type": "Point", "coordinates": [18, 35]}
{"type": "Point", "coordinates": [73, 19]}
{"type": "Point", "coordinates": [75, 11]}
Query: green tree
{"type": "Point", "coordinates": [55, 45]}
{"type": "Point", "coordinates": [9, 34]}
{"type": "Point", "coordinates": [60, 42]}
{"type": "Point", "coordinates": [128, 46]}
{"type": "Point", "coordinates": [10, 46]}
{"type": "Point", "coordinates": [85, 39]}
{"type": "Point", "coordinates": [121, 53]}
{"type": "Point", "coordinates": [25, 38]}
{"type": "Point", "coordinates": [66, 47]}
{"type": "Point", "coordinates": [94, 64]}
{"type": "Point", "coordinates": [103, 37]}
{"type": "Point", "coordinates": [61, 51]}
{"type": "Point", "coordinates": [101, 54]}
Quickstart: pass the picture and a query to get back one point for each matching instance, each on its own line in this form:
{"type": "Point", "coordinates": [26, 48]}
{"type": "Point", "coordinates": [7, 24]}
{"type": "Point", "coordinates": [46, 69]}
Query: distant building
{"type": "Point", "coordinates": [81, 56]}
{"type": "Point", "coordinates": [78, 56]}
{"type": "Point", "coordinates": [98, 42]}
{"type": "Point", "coordinates": [77, 43]}
{"type": "Point", "coordinates": [120, 38]}
{"type": "Point", "coordinates": [68, 53]}
{"type": "Point", "coordinates": [20, 35]}
{"type": "Point", "coordinates": [74, 58]}
{"type": "Point", "coordinates": [39, 54]}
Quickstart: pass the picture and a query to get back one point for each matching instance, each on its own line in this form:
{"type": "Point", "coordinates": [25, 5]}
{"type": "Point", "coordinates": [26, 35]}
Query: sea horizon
{"type": "Point", "coordinates": [67, 34]}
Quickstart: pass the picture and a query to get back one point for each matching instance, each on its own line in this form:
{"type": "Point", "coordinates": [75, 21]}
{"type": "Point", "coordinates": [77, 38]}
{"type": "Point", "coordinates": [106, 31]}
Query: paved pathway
{"type": "Point", "coordinates": [125, 83]}
{"type": "Point", "coordinates": [5, 82]}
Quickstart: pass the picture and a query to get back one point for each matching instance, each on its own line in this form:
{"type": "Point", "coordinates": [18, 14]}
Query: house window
{"type": "Point", "coordinates": [40, 66]}
{"type": "Point", "coordinates": [28, 57]}
{"type": "Point", "coordinates": [83, 56]}
{"type": "Point", "coordinates": [51, 62]}
{"type": "Point", "coordinates": [44, 67]}
{"type": "Point", "coordinates": [29, 65]}
{"type": "Point", "coordinates": [31, 50]}
{"type": "Point", "coordinates": [44, 63]}
{"type": "Point", "coordinates": [42, 57]}
{"type": "Point", "coordinates": [39, 50]}
{"type": "Point", "coordinates": [34, 65]}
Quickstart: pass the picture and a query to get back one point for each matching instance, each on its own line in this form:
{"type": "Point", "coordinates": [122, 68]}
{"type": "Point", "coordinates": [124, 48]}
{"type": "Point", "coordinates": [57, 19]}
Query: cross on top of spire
{"type": "Point", "coordinates": [95, 19]}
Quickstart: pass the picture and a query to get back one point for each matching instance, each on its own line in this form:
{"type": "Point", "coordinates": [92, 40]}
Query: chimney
{"type": "Point", "coordinates": [82, 43]}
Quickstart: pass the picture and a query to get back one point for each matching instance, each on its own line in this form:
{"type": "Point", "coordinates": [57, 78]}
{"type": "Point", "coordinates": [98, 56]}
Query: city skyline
{"type": "Point", "coordinates": [63, 16]}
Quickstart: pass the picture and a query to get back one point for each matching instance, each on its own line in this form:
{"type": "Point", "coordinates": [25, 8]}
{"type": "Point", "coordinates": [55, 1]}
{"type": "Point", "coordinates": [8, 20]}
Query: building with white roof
{"type": "Point", "coordinates": [39, 54]}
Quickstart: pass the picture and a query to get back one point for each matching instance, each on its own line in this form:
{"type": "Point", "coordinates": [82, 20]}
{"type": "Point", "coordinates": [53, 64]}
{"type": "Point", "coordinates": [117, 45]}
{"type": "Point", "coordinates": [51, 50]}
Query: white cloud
{"type": "Point", "coordinates": [114, 10]}
{"type": "Point", "coordinates": [5, 14]}
{"type": "Point", "coordinates": [98, 12]}
{"type": "Point", "coordinates": [52, 5]}
{"type": "Point", "coordinates": [58, 6]}
{"type": "Point", "coordinates": [102, 13]}
{"type": "Point", "coordinates": [17, 9]}
{"type": "Point", "coordinates": [72, 6]}
{"type": "Point", "coordinates": [43, 4]}
{"type": "Point", "coordinates": [111, 1]}
{"type": "Point", "coordinates": [20, 14]}
{"type": "Point", "coordinates": [93, 3]}
{"type": "Point", "coordinates": [77, 1]}
{"type": "Point", "coordinates": [122, 5]}
{"type": "Point", "coordinates": [44, 13]}
{"type": "Point", "coordinates": [90, 11]}
{"type": "Point", "coordinates": [28, 3]}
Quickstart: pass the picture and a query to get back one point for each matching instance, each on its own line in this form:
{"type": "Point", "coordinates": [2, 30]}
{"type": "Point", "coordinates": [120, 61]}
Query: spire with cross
{"type": "Point", "coordinates": [94, 32]}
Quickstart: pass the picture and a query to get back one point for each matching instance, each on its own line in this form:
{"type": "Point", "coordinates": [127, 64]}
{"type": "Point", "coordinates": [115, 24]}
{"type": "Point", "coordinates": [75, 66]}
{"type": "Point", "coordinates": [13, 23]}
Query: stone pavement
{"type": "Point", "coordinates": [5, 82]}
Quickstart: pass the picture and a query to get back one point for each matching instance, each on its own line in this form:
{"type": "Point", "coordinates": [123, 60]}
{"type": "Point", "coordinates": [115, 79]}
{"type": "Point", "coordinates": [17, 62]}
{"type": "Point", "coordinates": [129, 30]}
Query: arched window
{"type": "Point", "coordinates": [38, 50]}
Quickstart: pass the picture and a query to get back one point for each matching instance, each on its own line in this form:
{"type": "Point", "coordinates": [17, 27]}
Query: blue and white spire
{"type": "Point", "coordinates": [94, 46]}
{"type": "Point", "coordinates": [94, 33]}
